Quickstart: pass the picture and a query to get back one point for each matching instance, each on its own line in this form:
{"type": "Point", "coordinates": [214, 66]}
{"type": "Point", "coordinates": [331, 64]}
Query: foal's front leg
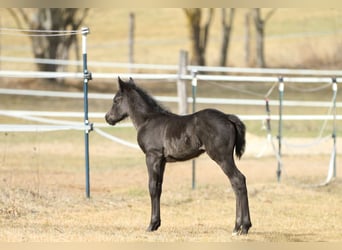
{"type": "Point", "coordinates": [155, 166]}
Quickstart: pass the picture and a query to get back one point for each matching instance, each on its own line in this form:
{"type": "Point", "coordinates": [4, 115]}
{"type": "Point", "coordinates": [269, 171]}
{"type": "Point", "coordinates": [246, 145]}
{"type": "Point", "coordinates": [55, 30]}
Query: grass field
{"type": "Point", "coordinates": [42, 180]}
{"type": "Point", "coordinates": [42, 195]}
{"type": "Point", "coordinates": [42, 187]}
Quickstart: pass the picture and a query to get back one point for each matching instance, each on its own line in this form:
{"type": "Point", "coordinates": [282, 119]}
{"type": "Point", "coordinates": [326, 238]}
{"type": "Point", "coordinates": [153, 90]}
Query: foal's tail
{"type": "Point", "coordinates": [240, 141]}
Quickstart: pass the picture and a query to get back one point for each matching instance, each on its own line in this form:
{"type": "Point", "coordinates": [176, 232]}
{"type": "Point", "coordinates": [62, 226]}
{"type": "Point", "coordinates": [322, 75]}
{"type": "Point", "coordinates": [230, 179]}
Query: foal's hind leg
{"type": "Point", "coordinates": [238, 182]}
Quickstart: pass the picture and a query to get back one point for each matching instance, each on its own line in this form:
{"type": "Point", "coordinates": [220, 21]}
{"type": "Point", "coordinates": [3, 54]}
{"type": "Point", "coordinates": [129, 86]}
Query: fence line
{"type": "Point", "coordinates": [31, 32]}
{"type": "Point", "coordinates": [18, 113]}
{"type": "Point", "coordinates": [138, 66]}
{"type": "Point", "coordinates": [38, 128]}
{"type": "Point", "coordinates": [171, 99]}
{"type": "Point", "coordinates": [226, 78]}
{"type": "Point", "coordinates": [34, 116]}
{"type": "Point", "coordinates": [173, 77]}
{"type": "Point", "coordinates": [116, 139]}
{"type": "Point", "coordinates": [329, 77]}
{"type": "Point", "coordinates": [39, 31]}
{"type": "Point", "coordinates": [39, 74]}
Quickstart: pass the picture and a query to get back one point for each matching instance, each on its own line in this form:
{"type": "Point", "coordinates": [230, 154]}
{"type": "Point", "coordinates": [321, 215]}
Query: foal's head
{"type": "Point", "coordinates": [130, 100]}
{"type": "Point", "coordinates": [119, 109]}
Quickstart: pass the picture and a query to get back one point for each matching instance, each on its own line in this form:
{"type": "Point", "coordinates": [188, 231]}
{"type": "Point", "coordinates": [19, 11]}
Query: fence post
{"type": "Point", "coordinates": [131, 38]}
{"type": "Point", "coordinates": [247, 38]}
{"type": "Point", "coordinates": [281, 95]}
{"type": "Point", "coordinates": [194, 88]}
{"type": "Point", "coordinates": [334, 88]}
{"type": "Point", "coordinates": [88, 127]}
{"type": "Point", "coordinates": [181, 83]}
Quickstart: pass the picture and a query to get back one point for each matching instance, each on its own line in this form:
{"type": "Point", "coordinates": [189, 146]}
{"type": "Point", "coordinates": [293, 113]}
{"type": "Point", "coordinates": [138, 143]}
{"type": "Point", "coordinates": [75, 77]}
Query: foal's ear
{"type": "Point", "coordinates": [121, 83]}
{"type": "Point", "coordinates": [131, 80]}
{"type": "Point", "coordinates": [126, 85]}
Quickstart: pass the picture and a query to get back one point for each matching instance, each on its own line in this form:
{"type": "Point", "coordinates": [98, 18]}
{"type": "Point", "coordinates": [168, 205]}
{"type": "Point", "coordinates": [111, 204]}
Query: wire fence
{"type": "Point", "coordinates": [169, 67]}
{"type": "Point", "coordinates": [215, 75]}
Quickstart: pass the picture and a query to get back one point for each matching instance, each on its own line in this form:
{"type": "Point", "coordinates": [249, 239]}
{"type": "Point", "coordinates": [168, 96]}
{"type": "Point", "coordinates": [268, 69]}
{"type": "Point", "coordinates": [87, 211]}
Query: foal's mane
{"type": "Point", "coordinates": [148, 99]}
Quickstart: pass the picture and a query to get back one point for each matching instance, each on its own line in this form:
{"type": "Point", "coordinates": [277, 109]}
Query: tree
{"type": "Point", "coordinates": [52, 47]}
{"type": "Point", "coordinates": [226, 30]}
{"type": "Point", "coordinates": [260, 33]}
{"type": "Point", "coordinates": [198, 33]}
{"type": "Point", "coordinates": [247, 38]}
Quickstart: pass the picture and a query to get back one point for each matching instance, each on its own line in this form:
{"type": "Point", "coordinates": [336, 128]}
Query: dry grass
{"type": "Point", "coordinates": [42, 196]}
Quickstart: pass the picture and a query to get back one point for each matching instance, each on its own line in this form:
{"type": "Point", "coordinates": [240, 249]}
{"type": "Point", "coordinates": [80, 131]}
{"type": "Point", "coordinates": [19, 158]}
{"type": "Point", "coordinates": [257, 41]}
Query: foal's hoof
{"type": "Point", "coordinates": [240, 231]}
{"type": "Point", "coordinates": [153, 226]}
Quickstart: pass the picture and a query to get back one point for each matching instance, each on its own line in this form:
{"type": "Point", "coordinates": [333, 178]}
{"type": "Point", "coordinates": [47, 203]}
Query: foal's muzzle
{"type": "Point", "coordinates": [109, 120]}
{"type": "Point", "coordinates": [112, 121]}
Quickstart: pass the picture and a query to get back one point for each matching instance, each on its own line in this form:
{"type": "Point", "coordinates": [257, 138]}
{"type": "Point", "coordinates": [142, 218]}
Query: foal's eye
{"type": "Point", "coordinates": [117, 100]}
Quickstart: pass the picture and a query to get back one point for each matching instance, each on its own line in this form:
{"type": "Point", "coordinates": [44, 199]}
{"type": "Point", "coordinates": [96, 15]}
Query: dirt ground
{"type": "Point", "coordinates": [42, 195]}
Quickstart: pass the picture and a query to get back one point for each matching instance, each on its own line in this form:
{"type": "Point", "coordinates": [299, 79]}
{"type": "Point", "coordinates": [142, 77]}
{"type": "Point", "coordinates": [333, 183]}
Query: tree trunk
{"type": "Point", "coordinates": [260, 55]}
{"type": "Point", "coordinates": [198, 34]}
{"type": "Point", "coordinates": [51, 47]}
{"type": "Point", "coordinates": [197, 51]}
{"type": "Point", "coordinates": [260, 35]}
{"type": "Point", "coordinates": [226, 31]}
{"type": "Point", "coordinates": [259, 25]}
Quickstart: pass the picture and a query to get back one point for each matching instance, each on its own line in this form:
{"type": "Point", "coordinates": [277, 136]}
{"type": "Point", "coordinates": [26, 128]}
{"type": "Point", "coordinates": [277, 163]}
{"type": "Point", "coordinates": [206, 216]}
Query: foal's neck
{"type": "Point", "coordinates": [142, 107]}
{"type": "Point", "coordinates": [140, 113]}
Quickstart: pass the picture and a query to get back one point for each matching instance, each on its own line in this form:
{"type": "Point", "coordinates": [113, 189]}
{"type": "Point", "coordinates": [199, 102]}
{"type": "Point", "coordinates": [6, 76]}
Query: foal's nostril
{"type": "Point", "coordinates": [107, 117]}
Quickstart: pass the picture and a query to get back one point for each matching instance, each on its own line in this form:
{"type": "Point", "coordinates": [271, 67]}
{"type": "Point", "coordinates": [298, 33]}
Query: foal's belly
{"type": "Point", "coordinates": [182, 149]}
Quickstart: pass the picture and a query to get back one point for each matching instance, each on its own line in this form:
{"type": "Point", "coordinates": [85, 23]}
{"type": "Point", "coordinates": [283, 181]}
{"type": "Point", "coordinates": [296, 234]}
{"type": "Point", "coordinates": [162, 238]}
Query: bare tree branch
{"type": "Point", "coordinates": [269, 15]}
{"type": "Point", "coordinates": [84, 15]}
{"type": "Point", "coordinates": [16, 17]}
